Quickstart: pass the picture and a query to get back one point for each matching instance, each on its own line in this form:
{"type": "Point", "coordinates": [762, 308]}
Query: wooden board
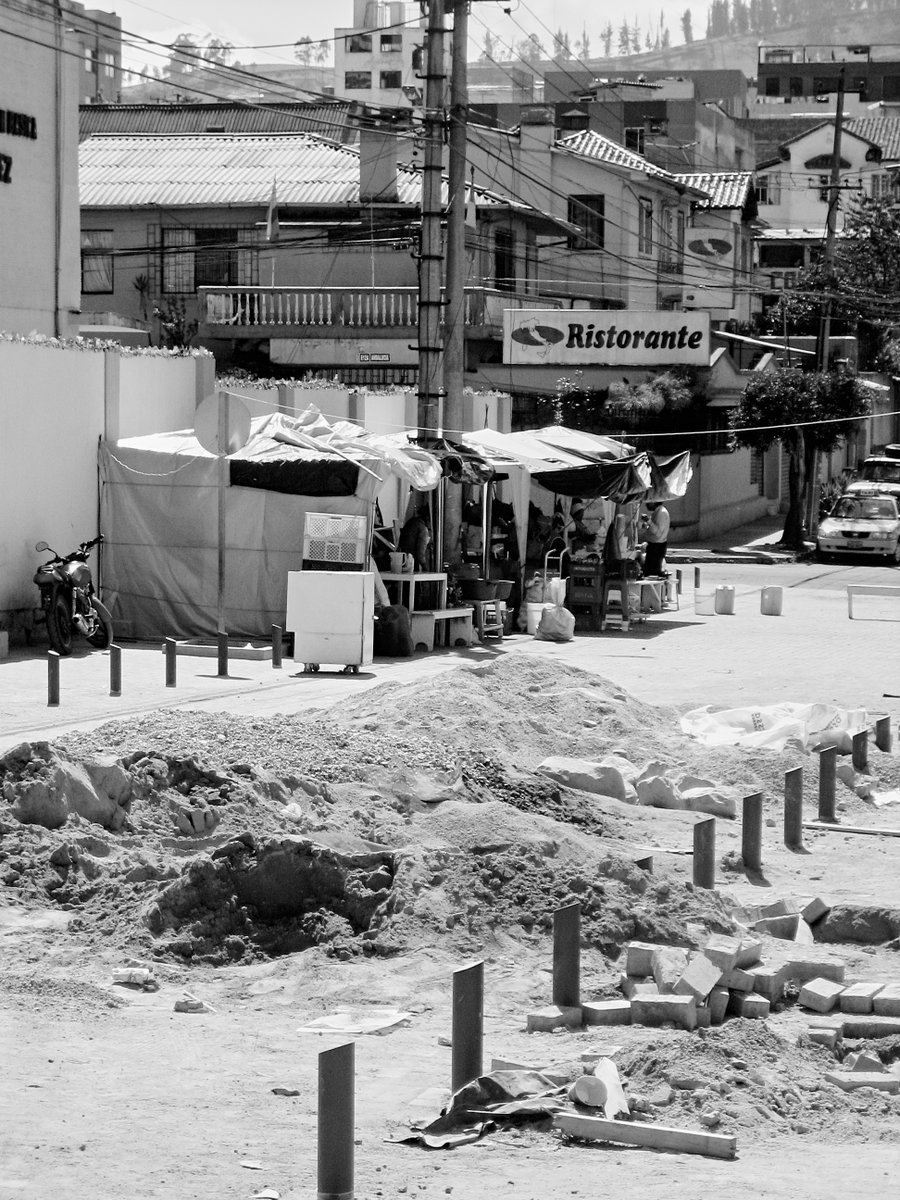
{"type": "Point", "coordinates": [658, 1137]}
{"type": "Point", "coordinates": [850, 829]}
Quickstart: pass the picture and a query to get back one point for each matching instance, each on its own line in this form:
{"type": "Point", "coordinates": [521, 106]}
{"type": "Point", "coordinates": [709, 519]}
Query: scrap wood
{"type": "Point", "coordinates": [657, 1137]}
{"type": "Point", "coordinates": [823, 825]}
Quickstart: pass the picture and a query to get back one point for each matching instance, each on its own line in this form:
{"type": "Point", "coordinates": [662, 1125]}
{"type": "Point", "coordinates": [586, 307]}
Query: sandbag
{"type": "Point", "coordinates": [557, 624]}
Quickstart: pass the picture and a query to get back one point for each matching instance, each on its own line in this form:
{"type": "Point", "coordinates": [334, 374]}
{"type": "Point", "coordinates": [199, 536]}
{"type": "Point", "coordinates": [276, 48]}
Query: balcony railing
{"type": "Point", "coordinates": [265, 309]}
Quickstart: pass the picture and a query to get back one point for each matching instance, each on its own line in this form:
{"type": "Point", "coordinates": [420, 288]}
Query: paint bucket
{"type": "Point", "coordinates": [770, 601]}
{"type": "Point", "coordinates": [533, 616]}
{"type": "Point", "coordinates": [704, 604]}
{"type": "Point", "coordinates": [725, 599]}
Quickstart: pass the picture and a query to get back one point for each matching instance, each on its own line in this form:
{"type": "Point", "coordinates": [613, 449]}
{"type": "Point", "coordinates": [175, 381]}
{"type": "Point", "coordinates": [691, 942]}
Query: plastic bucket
{"type": "Point", "coordinates": [770, 601]}
{"type": "Point", "coordinates": [533, 616]}
{"type": "Point", "coordinates": [705, 604]}
{"type": "Point", "coordinates": [725, 599]}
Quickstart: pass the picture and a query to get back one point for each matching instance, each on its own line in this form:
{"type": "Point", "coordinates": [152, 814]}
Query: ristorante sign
{"type": "Point", "coordinates": [605, 337]}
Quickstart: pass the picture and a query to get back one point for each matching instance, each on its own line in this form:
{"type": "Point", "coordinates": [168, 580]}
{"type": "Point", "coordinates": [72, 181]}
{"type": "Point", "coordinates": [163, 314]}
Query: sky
{"type": "Point", "coordinates": [265, 30]}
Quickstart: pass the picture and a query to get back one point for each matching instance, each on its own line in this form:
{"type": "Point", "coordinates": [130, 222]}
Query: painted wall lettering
{"type": "Point", "coordinates": [16, 124]}
{"type": "Point", "coordinates": [5, 168]}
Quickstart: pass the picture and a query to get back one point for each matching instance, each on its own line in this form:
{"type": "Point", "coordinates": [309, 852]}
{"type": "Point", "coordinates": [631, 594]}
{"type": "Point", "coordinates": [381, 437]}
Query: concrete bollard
{"type": "Point", "coordinates": [115, 669]}
{"type": "Point", "coordinates": [171, 661]}
{"type": "Point", "coordinates": [883, 734]}
{"type": "Point", "coordinates": [567, 956]}
{"type": "Point", "coordinates": [793, 809]}
{"type": "Point", "coordinates": [860, 750]}
{"type": "Point", "coordinates": [705, 853]}
{"type": "Point", "coordinates": [827, 771]}
{"type": "Point", "coordinates": [467, 1035]}
{"type": "Point", "coordinates": [751, 832]}
{"type": "Point", "coordinates": [277, 634]}
{"type": "Point", "coordinates": [336, 1123]}
{"type": "Point", "coordinates": [222, 643]}
{"type": "Point", "coordinates": [696, 578]}
{"type": "Point", "coordinates": [52, 679]}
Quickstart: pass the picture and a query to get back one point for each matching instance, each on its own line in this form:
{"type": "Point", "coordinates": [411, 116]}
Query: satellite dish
{"type": "Point", "coordinates": [236, 419]}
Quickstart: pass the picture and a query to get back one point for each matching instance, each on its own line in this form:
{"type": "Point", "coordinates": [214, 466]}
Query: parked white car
{"type": "Point", "coordinates": [862, 522]}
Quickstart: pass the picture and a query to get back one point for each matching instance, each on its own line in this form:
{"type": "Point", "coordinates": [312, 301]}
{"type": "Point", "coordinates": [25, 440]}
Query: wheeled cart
{"type": "Point", "coordinates": [332, 617]}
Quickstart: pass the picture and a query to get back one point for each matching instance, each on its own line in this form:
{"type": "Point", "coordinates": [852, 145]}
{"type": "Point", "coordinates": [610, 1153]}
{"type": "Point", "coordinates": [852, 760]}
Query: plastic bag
{"type": "Point", "coordinates": [813, 725]}
{"type": "Point", "coordinates": [556, 625]}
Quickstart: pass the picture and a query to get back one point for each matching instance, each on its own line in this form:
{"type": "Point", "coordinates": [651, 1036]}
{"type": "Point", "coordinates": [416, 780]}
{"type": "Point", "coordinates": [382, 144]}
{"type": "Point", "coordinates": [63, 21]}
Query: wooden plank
{"type": "Point", "coordinates": [657, 1137]}
{"type": "Point", "coordinates": [851, 829]}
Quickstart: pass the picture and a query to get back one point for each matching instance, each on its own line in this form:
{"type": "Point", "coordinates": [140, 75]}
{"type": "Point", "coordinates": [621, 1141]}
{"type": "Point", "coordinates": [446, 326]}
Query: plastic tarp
{"type": "Point", "coordinates": [159, 516]}
{"type": "Point", "coordinates": [813, 726]}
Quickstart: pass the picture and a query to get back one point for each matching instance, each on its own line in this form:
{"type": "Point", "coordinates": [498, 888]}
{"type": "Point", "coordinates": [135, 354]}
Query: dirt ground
{"type": "Point", "coordinates": [345, 862]}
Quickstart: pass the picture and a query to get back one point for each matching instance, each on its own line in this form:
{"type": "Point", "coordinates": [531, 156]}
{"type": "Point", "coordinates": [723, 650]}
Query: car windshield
{"type": "Point", "coordinates": [881, 472]}
{"type": "Point", "coordinates": [853, 509]}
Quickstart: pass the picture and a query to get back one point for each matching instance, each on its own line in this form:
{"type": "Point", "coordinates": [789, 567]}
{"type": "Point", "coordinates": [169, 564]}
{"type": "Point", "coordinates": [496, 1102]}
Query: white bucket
{"type": "Point", "coordinates": [705, 604]}
{"type": "Point", "coordinates": [770, 601]}
{"type": "Point", "coordinates": [725, 599]}
{"type": "Point", "coordinates": [533, 616]}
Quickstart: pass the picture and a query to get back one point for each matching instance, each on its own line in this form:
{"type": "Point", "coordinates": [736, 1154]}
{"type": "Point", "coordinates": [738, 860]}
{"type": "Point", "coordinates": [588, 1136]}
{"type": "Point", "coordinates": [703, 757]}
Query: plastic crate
{"type": "Point", "coordinates": [333, 538]}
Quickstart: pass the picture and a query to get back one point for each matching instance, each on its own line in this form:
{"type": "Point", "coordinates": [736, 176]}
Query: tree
{"type": "Point", "coordinates": [303, 51]}
{"type": "Point", "coordinates": [218, 52]}
{"type": "Point", "coordinates": [687, 27]}
{"type": "Point", "coordinates": [530, 49]}
{"type": "Point", "coordinates": [323, 50]}
{"type": "Point", "coordinates": [624, 38]}
{"type": "Point", "coordinates": [562, 45]}
{"type": "Point", "coordinates": [184, 55]}
{"type": "Point", "coordinates": [606, 37]}
{"type": "Point", "coordinates": [583, 45]}
{"type": "Point", "coordinates": [488, 50]}
{"type": "Point", "coordinates": [806, 412]}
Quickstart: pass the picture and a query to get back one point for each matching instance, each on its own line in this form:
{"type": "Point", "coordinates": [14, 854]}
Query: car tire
{"type": "Point", "coordinates": [822, 556]}
{"type": "Point", "coordinates": [894, 556]}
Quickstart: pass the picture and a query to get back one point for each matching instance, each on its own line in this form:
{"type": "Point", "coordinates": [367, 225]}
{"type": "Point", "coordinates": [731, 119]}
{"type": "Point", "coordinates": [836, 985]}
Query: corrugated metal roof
{"type": "Point", "coordinates": [325, 119]}
{"type": "Point", "coordinates": [726, 189]}
{"type": "Point", "coordinates": [216, 170]}
{"type": "Point", "coordinates": [590, 144]}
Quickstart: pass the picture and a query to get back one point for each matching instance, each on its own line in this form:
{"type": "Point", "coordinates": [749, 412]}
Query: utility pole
{"type": "Point", "coordinates": [454, 318]}
{"type": "Point", "coordinates": [431, 256]}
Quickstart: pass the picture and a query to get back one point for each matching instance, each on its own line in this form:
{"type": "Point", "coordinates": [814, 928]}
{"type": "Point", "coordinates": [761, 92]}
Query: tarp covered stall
{"type": "Point", "coordinates": [159, 509]}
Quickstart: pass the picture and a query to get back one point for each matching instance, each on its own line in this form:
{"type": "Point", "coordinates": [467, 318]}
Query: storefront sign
{"type": "Point", "coordinates": [622, 337]}
{"type": "Point", "coordinates": [14, 124]}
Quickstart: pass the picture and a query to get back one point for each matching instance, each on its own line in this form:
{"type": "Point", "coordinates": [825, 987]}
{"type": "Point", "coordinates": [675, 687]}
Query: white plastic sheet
{"type": "Point", "coordinates": [814, 726]}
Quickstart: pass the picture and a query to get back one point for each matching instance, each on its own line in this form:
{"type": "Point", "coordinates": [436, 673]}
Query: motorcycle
{"type": "Point", "coordinates": [68, 600]}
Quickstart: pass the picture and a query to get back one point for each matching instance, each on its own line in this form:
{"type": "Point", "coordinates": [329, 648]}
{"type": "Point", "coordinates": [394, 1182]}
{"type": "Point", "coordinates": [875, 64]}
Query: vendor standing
{"type": "Point", "coordinates": [656, 535]}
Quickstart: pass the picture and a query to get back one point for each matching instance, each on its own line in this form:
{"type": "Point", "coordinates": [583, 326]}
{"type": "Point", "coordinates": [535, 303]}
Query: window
{"type": "Point", "coordinates": [768, 188]}
{"type": "Point", "coordinates": [824, 188]}
{"type": "Point", "coordinates": [504, 261]}
{"type": "Point", "coordinates": [391, 43]}
{"type": "Point", "coordinates": [587, 213]}
{"type": "Point", "coordinates": [391, 80]}
{"type": "Point", "coordinates": [645, 226]}
{"type": "Point", "coordinates": [634, 139]}
{"type": "Point", "coordinates": [358, 43]}
{"type": "Point", "coordinates": [772, 85]}
{"type": "Point", "coordinates": [96, 261]}
{"type": "Point", "coordinates": [780, 254]}
{"type": "Point", "coordinates": [795, 87]}
{"type": "Point", "coordinates": [882, 184]}
{"type": "Point", "coordinates": [90, 60]}
{"type": "Point", "coordinates": [357, 80]}
{"type": "Point", "coordinates": [207, 256]}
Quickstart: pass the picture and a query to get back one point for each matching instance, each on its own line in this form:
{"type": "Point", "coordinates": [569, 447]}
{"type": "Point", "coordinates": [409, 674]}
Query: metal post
{"type": "Point", "coordinates": [827, 764]}
{"type": "Point", "coordinates": [883, 734]}
{"type": "Point", "coordinates": [115, 669]}
{"type": "Point", "coordinates": [431, 251]}
{"type": "Point", "coordinates": [860, 751]}
{"type": "Point", "coordinates": [793, 808]}
{"type": "Point", "coordinates": [277, 635]}
{"type": "Point", "coordinates": [696, 578]}
{"type": "Point", "coordinates": [171, 661]}
{"type": "Point", "coordinates": [705, 853]}
{"type": "Point", "coordinates": [751, 832]}
{"type": "Point", "coordinates": [468, 1025]}
{"type": "Point", "coordinates": [336, 1123]}
{"type": "Point", "coordinates": [222, 642]}
{"type": "Point", "coordinates": [566, 956]}
{"type": "Point", "coordinates": [52, 679]}
{"type": "Point", "coordinates": [678, 580]}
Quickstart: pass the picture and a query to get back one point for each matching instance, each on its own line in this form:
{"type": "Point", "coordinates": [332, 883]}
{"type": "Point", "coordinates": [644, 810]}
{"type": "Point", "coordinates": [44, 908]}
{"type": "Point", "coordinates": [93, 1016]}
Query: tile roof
{"type": "Point", "coordinates": [590, 144]}
{"type": "Point", "coordinates": [726, 189]}
{"type": "Point", "coordinates": [883, 131]}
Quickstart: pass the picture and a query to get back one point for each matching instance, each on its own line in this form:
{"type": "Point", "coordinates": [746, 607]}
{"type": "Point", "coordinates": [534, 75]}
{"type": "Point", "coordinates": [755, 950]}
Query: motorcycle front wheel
{"type": "Point", "coordinates": [59, 626]}
{"type": "Point", "coordinates": [103, 634]}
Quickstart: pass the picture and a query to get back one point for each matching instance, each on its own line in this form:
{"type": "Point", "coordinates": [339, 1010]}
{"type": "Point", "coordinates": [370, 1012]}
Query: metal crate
{"type": "Point", "coordinates": [334, 538]}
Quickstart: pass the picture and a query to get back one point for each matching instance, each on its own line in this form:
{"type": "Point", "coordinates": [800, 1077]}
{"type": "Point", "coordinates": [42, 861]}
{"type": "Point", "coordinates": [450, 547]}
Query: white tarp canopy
{"type": "Point", "coordinates": [159, 517]}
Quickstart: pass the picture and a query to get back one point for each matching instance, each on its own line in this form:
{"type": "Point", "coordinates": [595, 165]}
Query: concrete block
{"type": "Point", "coordinates": [606, 1012]}
{"type": "Point", "coordinates": [870, 1027]}
{"type": "Point", "coordinates": [804, 935]}
{"type": "Point", "coordinates": [849, 1081]}
{"type": "Point", "coordinates": [669, 963]}
{"type": "Point", "coordinates": [554, 1016]}
{"type": "Point", "coordinates": [814, 910]}
{"type": "Point", "coordinates": [747, 915]}
{"type": "Point", "coordinates": [858, 997]}
{"type": "Point", "coordinates": [824, 1037]}
{"type": "Point", "coordinates": [768, 981]}
{"type": "Point", "coordinates": [661, 1010]}
{"type": "Point", "coordinates": [737, 980]}
{"type": "Point", "coordinates": [750, 1006]}
{"type": "Point", "coordinates": [723, 951]}
{"type": "Point", "coordinates": [632, 985]}
{"type": "Point", "coordinates": [698, 979]}
{"type": "Point", "coordinates": [814, 967]}
{"type": "Point", "coordinates": [750, 953]}
{"type": "Point", "coordinates": [863, 1061]}
{"type": "Point", "coordinates": [784, 927]}
{"type": "Point", "coordinates": [821, 995]}
{"type": "Point", "coordinates": [779, 908]}
{"type": "Point", "coordinates": [718, 1004]}
{"type": "Point", "coordinates": [639, 958]}
{"type": "Point", "coordinates": [887, 1002]}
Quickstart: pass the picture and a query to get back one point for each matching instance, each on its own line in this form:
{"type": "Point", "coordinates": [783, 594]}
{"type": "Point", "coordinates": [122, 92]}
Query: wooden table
{"type": "Point", "coordinates": [413, 580]}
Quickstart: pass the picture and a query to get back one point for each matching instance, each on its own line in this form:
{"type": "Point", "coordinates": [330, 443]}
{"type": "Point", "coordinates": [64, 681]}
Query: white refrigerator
{"type": "Point", "coordinates": [332, 617]}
